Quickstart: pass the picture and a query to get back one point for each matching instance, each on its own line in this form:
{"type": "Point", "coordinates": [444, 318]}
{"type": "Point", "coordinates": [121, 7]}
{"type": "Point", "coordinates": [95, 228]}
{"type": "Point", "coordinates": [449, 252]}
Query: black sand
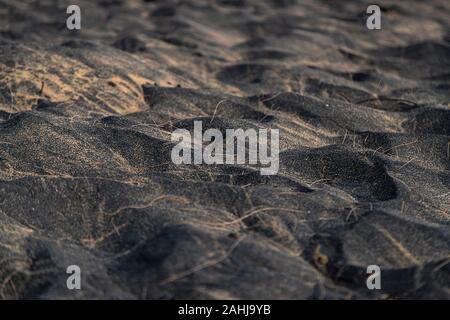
{"type": "Point", "coordinates": [86, 176]}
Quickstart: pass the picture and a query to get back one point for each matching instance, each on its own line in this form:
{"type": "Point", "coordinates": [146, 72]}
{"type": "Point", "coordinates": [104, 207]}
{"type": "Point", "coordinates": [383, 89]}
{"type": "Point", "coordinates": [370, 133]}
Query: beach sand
{"type": "Point", "coordinates": [86, 176]}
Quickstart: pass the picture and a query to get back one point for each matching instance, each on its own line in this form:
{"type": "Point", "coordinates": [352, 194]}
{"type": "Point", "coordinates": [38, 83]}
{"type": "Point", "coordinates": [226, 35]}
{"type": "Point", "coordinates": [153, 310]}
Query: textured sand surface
{"type": "Point", "coordinates": [86, 176]}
